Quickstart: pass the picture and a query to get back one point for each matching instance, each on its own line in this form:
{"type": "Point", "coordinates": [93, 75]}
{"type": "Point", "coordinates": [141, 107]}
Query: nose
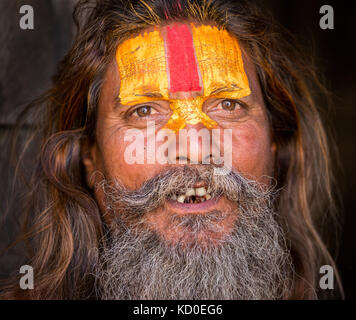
{"type": "Point", "coordinates": [193, 145]}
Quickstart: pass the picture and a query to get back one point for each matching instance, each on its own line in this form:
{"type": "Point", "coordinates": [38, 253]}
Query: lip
{"type": "Point", "coordinates": [189, 208]}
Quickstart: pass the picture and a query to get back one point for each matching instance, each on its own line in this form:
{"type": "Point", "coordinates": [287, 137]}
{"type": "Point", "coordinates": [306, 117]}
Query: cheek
{"type": "Point", "coordinates": [251, 150]}
{"type": "Point", "coordinates": [115, 163]}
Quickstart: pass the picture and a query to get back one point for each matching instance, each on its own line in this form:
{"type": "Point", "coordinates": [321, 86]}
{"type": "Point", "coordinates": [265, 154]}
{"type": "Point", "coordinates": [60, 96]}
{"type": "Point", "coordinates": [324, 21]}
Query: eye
{"type": "Point", "coordinates": [227, 109]}
{"type": "Point", "coordinates": [144, 111]}
{"type": "Point", "coordinates": [230, 105]}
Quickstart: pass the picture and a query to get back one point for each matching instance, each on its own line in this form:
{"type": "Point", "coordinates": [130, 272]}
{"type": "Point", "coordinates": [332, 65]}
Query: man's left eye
{"type": "Point", "coordinates": [229, 105]}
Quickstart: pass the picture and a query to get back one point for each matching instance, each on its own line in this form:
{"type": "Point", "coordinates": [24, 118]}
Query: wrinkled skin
{"type": "Point", "coordinates": [252, 146]}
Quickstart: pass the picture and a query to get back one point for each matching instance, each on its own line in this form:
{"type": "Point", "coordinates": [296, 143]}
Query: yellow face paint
{"type": "Point", "coordinates": [197, 63]}
{"type": "Point", "coordinates": [188, 111]}
{"type": "Point", "coordinates": [142, 68]}
{"type": "Point", "coordinates": [220, 61]}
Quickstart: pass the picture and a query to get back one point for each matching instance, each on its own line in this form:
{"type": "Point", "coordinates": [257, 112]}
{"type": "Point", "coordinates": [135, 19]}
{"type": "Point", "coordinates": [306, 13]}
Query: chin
{"type": "Point", "coordinates": [195, 230]}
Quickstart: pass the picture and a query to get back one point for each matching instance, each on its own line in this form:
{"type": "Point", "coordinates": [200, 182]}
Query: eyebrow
{"type": "Point", "coordinates": [117, 99]}
{"type": "Point", "coordinates": [150, 95]}
{"type": "Point", "coordinates": [233, 87]}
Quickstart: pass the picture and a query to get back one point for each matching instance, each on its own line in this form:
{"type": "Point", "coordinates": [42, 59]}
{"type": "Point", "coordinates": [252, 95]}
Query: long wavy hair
{"type": "Point", "coordinates": [61, 220]}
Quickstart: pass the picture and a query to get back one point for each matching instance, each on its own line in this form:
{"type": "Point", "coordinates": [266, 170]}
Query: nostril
{"type": "Point", "coordinates": [182, 159]}
{"type": "Point", "coordinates": [208, 159]}
{"type": "Point", "coordinates": [217, 161]}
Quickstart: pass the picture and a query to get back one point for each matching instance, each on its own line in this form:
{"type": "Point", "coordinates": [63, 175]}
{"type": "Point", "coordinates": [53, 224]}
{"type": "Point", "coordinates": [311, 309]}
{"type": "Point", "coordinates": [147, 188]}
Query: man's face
{"type": "Point", "coordinates": [178, 229]}
{"type": "Point", "coordinates": [178, 77]}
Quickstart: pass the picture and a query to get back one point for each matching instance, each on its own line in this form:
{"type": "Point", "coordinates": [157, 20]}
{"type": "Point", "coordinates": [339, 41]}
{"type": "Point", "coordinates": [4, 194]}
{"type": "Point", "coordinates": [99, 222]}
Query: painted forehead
{"type": "Point", "coordinates": [198, 60]}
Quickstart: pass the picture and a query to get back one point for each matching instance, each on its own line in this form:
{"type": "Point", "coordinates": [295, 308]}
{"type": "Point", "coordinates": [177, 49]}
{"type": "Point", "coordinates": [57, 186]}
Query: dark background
{"type": "Point", "coordinates": [28, 60]}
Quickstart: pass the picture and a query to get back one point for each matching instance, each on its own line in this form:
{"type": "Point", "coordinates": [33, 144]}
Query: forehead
{"type": "Point", "coordinates": [181, 58]}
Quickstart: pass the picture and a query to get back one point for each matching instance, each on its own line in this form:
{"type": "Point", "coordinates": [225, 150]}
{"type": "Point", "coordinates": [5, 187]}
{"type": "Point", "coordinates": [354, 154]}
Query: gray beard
{"type": "Point", "coordinates": [252, 262]}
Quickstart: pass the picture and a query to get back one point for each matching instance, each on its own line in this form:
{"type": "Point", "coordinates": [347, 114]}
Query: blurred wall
{"type": "Point", "coordinates": [28, 60]}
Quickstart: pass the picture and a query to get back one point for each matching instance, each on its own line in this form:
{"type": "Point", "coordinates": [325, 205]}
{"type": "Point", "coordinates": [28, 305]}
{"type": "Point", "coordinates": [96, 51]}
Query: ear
{"type": "Point", "coordinates": [88, 152]}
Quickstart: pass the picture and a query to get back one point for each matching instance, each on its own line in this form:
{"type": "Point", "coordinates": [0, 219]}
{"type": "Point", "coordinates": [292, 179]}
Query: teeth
{"type": "Point", "coordinates": [200, 192]}
{"type": "Point", "coordinates": [190, 192]}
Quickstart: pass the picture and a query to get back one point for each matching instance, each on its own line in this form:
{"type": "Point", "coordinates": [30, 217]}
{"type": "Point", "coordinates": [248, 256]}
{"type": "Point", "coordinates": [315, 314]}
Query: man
{"type": "Point", "coordinates": [182, 158]}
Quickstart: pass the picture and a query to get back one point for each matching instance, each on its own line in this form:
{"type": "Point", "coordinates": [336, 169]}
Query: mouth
{"type": "Point", "coordinates": [198, 193]}
{"type": "Point", "coordinates": [196, 199]}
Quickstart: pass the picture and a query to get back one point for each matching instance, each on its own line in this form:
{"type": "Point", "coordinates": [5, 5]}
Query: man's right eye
{"type": "Point", "coordinates": [143, 111]}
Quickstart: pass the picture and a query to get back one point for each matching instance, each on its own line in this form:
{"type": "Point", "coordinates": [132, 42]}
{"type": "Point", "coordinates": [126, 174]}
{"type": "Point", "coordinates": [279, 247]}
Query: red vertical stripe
{"type": "Point", "coordinates": [182, 66]}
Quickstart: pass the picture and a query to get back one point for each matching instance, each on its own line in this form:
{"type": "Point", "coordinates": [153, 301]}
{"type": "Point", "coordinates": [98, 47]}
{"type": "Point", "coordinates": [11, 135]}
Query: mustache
{"type": "Point", "coordinates": [156, 190]}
